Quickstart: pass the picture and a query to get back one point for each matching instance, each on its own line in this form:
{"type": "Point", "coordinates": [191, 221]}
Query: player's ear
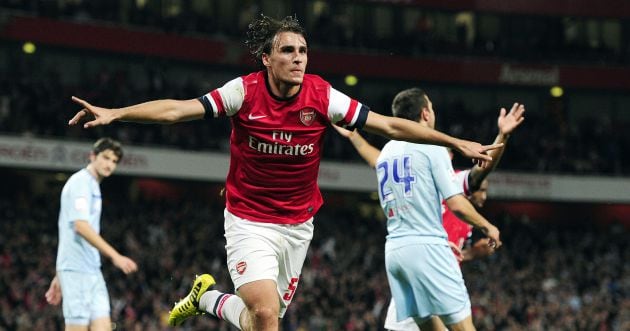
{"type": "Point", "coordinates": [425, 114]}
{"type": "Point", "coordinates": [92, 156]}
{"type": "Point", "coordinates": [265, 60]}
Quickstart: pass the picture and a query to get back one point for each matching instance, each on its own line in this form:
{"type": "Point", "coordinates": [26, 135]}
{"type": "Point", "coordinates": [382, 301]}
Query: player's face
{"type": "Point", "coordinates": [104, 163]}
{"type": "Point", "coordinates": [478, 198]}
{"type": "Point", "coordinates": [287, 62]}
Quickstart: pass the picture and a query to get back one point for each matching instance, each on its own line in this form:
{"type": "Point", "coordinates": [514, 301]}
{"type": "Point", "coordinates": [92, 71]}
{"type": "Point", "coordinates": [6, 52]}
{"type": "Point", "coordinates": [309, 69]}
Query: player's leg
{"type": "Point", "coordinates": [292, 253]}
{"type": "Point", "coordinates": [432, 324]}
{"type": "Point", "coordinates": [437, 285]}
{"type": "Point", "coordinates": [101, 324]}
{"type": "Point", "coordinates": [464, 325]}
{"type": "Point", "coordinates": [75, 303]}
{"type": "Point", "coordinates": [261, 299]}
{"type": "Point", "coordinates": [297, 241]}
{"type": "Point", "coordinates": [404, 311]}
{"type": "Point", "coordinates": [253, 251]}
{"type": "Point", "coordinates": [450, 290]}
{"type": "Point", "coordinates": [100, 309]}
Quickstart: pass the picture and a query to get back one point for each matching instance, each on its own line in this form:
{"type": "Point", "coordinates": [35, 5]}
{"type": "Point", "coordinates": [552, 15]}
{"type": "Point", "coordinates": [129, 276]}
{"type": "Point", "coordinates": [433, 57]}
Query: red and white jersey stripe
{"type": "Point", "coordinates": [276, 144]}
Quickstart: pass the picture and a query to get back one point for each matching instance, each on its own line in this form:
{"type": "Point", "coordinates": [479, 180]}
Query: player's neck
{"type": "Point", "coordinates": [94, 173]}
{"type": "Point", "coordinates": [281, 90]}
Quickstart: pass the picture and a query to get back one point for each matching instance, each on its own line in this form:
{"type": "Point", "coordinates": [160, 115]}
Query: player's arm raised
{"type": "Point", "coordinates": [158, 111]}
{"type": "Point", "coordinates": [402, 129]}
{"type": "Point", "coordinates": [506, 123]}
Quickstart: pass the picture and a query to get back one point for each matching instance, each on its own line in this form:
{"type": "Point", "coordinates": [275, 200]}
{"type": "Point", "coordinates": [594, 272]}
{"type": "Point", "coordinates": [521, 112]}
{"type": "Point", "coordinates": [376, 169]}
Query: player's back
{"type": "Point", "coordinates": [411, 180]}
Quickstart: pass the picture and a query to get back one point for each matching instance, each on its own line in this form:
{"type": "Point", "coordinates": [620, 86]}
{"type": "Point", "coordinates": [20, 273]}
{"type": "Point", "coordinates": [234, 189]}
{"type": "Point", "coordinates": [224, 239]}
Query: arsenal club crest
{"type": "Point", "coordinates": [240, 267]}
{"type": "Point", "coordinates": [307, 116]}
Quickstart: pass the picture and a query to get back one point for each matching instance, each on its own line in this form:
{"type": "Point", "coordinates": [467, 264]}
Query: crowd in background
{"type": "Point", "coordinates": [39, 105]}
{"type": "Point", "coordinates": [347, 25]}
{"type": "Point", "coordinates": [545, 277]}
{"type": "Point", "coordinates": [35, 96]}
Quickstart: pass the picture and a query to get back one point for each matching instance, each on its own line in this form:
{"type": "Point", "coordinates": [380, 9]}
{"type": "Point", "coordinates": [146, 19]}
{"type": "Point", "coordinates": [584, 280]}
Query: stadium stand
{"type": "Point", "coordinates": [567, 273]}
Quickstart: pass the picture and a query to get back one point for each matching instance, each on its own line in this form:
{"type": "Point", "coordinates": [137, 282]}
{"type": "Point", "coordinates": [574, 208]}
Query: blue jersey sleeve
{"type": "Point", "coordinates": [78, 200]}
{"type": "Point", "coordinates": [443, 174]}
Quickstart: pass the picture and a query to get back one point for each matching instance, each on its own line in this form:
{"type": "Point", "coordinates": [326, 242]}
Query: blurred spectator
{"type": "Point", "coordinates": [539, 38]}
{"type": "Point", "coordinates": [545, 277]}
{"type": "Point", "coordinates": [37, 103]}
{"type": "Point", "coordinates": [34, 98]}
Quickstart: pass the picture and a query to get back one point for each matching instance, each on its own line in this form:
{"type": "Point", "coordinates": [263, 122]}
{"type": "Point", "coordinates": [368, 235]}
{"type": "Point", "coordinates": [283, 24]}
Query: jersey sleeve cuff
{"type": "Point", "coordinates": [207, 107]}
{"type": "Point", "coordinates": [361, 119]}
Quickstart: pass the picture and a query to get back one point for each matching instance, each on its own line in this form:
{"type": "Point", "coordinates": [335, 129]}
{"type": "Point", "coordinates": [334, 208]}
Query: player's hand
{"type": "Point", "coordinates": [125, 264]}
{"type": "Point", "coordinates": [53, 295]}
{"type": "Point", "coordinates": [102, 116]}
{"type": "Point", "coordinates": [344, 132]}
{"type": "Point", "coordinates": [476, 151]}
{"type": "Point", "coordinates": [510, 121]}
{"type": "Point", "coordinates": [483, 248]}
{"type": "Point", "coordinates": [457, 251]}
{"type": "Point", "coordinates": [492, 233]}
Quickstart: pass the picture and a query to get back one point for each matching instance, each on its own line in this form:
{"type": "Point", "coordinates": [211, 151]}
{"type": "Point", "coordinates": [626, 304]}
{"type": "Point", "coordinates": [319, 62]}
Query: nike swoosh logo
{"type": "Point", "coordinates": [252, 117]}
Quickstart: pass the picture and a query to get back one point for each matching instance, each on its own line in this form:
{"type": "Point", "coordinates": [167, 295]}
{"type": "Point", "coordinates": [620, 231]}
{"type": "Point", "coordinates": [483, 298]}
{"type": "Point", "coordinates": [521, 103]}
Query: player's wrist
{"type": "Point", "coordinates": [458, 144]}
{"type": "Point", "coordinates": [117, 114]}
{"type": "Point", "coordinates": [485, 228]}
{"type": "Point", "coordinates": [115, 256]}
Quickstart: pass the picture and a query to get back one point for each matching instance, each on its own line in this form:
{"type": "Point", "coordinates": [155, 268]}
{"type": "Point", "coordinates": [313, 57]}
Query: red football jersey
{"type": "Point", "coordinates": [457, 230]}
{"type": "Point", "coordinates": [276, 144]}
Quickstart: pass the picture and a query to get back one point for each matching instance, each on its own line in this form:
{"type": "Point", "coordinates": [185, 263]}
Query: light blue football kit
{"type": "Point", "coordinates": [423, 274]}
{"type": "Point", "coordinates": [84, 292]}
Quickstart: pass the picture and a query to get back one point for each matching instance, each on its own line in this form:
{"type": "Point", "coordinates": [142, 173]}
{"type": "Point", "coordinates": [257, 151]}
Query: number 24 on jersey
{"type": "Point", "coordinates": [395, 174]}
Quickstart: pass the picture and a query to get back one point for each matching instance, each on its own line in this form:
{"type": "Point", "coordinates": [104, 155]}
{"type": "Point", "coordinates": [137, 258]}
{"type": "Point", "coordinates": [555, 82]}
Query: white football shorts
{"type": "Point", "coordinates": [257, 251]}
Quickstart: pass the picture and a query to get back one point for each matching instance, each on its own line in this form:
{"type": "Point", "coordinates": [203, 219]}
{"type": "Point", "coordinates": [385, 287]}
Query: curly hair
{"type": "Point", "coordinates": [262, 31]}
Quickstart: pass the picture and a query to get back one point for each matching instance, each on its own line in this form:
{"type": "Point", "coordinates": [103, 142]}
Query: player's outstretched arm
{"type": "Point", "coordinates": [159, 111]}
{"type": "Point", "coordinates": [122, 262]}
{"type": "Point", "coordinates": [465, 211]}
{"type": "Point", "coordinates": [402, 129]}
{"type": "Point", "coordinates": [53, 295]}
{"type": "Point", "coordinates": [506, 123]}
{"type": "Point", "coordinates": [368, 152]}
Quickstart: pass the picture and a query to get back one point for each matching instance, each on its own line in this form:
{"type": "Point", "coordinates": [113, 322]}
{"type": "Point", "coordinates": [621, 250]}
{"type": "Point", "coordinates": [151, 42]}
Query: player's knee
{"type": "Point", "coordinates": [264, 313]}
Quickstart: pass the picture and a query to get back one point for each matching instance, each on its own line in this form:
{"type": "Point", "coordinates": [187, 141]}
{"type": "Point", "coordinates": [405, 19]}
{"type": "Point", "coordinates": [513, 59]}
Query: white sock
{"type": "Point", "coordinates": [223, 306]}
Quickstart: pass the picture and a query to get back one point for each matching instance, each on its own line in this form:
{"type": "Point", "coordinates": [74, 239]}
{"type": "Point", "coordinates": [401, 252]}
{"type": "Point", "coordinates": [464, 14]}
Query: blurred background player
{"type": "Point", "coordinates": [79, 279]}
{"type": "Point", "coordinates": [279, 116]}
{"type": "Point", "coordinates": [413, 179]}
{"type": "Point", "coordinates": [474, 185]}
